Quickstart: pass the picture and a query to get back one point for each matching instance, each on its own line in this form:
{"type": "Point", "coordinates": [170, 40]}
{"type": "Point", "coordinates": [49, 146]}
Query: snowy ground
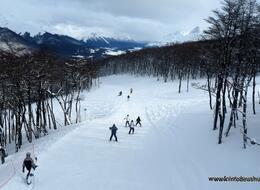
{"type": "Point", "coordinates": [174, 149]}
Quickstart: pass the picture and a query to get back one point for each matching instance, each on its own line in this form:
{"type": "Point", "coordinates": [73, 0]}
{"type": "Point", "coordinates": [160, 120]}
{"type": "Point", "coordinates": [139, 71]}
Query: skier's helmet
{"type": "Point", "coordinates": [28, 154]}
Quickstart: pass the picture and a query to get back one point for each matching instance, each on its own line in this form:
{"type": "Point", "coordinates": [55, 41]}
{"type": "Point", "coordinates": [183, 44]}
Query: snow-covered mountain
{"type": "Point", "coordinates": [179, 37]}
{"type": "Point", "coordinates": [12, 42]}
{"type": "Point", "coordinates": [99, 41]}
{"type": "Point", "coordinates": [61, 44]}
{"type": "Point", "coordinates": [94, 46]}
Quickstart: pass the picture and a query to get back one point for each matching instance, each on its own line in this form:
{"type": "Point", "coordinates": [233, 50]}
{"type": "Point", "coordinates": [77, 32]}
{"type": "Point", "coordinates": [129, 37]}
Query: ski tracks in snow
{"type": "Point", "coordinates": [166, 143]}
{"type": "Point", "coordinates": [150, 159]}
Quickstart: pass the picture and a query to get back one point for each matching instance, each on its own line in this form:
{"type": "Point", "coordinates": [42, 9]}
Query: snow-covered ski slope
{"type": "Point", "coordinates": [174, 149]}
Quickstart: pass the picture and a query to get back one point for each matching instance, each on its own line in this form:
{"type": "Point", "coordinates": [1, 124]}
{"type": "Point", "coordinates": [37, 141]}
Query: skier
{"type": "Point", "coordinates": [2, 154]}
{"type": "Point", "coordinates": [138, 121]}
{"type": "Point", "coordinates": [113, 132]}
{"type": "Point", "coordinates": [120, 93]}
{"type": "Point", "coordinates": [28, 163]}
{"type": "Point", "coordinates": [132, 129]}
{"type": "Point", "coordinates": [131, 90]}
{"type": "Point", "coordinates": [127, 121]}
{"type": "Point", "coordinates": [128, 97]}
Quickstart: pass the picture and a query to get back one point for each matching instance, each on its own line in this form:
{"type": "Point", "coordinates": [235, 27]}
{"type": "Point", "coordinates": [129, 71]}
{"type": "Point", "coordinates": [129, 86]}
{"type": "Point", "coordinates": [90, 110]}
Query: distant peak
{"type": "Point", "coordinates": [47, 34]}
{"type": "Point", "coordinates": [179, 36]}
{"type": "Point", "coordinates": [26, 34]}
{"type": "Point", "coordinates": [100, 36]}
{"type": "Point", "coordinates": [195, 30]}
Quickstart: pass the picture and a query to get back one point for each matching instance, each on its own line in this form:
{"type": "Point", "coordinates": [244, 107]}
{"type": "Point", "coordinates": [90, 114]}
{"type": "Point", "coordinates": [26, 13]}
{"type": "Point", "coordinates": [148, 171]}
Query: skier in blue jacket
{"type": "Point", "coordinates": [113, 132]}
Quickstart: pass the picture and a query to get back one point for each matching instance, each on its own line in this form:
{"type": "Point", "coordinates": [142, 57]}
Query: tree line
{"type": "Point", "coordinates": [228, 57]}
{"type": "Point", "coordinates": [32, 86]}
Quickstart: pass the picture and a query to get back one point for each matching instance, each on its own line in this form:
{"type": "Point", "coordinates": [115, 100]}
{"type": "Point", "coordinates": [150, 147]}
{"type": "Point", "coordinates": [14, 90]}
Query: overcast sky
{"type": "Point", "coordinates": [138, 19]}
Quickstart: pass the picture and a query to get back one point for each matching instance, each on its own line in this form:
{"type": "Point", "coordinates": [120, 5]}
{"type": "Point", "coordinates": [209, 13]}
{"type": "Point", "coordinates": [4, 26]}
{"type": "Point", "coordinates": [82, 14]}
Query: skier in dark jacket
{"type": "Point", "coordinates": [2, 154]}
{"type": "Point", "coordinates": [120, 93]}
{"type": "Point", "coordinates": [131, 90]}
{"type": "Point", "coordinates": [113, 132]}
{"type": "Point", "coordinates": [138, 121]}
{"type": "Point", "coordinates": [28, 163]}
{"type": "Point", "coordinates": [131, 126]}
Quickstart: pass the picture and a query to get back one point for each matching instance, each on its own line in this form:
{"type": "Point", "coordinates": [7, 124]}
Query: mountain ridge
{"type": "Point", "coordinates": [94, 46]}
{"type": "Point", "coordinates": [66, 46]}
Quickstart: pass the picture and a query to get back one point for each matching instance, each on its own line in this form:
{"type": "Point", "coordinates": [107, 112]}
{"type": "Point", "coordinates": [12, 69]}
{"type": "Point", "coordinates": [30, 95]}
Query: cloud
{"type": "Point", "coordinates": [138, 19]}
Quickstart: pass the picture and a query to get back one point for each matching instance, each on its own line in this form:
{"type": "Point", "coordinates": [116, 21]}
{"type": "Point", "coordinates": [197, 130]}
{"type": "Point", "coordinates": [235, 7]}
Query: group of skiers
{"type": "Point", "coordinates": [128, 123]}
{"type": "Point", "coordinates": [128, 96]}
{"type": "Point", "coordinates": [131, 123]}
{"type": "Point", "coordinates": [29, 164]}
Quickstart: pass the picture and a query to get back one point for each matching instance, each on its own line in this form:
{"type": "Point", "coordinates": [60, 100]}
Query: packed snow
{"type": "Point", "coordinates": [174, 149]}
{"type": "Point", "coordinates": [114, 52]}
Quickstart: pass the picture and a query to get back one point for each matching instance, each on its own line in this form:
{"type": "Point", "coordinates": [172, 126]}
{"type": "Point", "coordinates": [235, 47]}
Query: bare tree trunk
{"type": "Point", "coordinates": [77, 105]}
{"type": "Point", "coordinates": [259, 97]}
{"type": "Point", "coordinates": [9, 126]}
{"type": "Point", "coordinates": [30, 116]}
{"type": "Point", "coordinates": [180, 79]}
{"type": "Point", "coordinates": [209, 90]}
{"type": "Point", "coordinates": [63, 106]}
{"type": "Point", "coordinates": [244, 119]}
{"type": "Point", "coordinates": [221, 127]}
{"type": "Point", "coordinates": [44, 124]}
{"type": "Point", "coordinates": [218, 101]}
{"type": "Point", "coordinates": [188, 82]}
{"type": "Point", "coordinates": [48, 113]}
{"type": "Point", "coordinates": [232, 119]}
{"type": "Point", "coordinates": [253, 94]}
